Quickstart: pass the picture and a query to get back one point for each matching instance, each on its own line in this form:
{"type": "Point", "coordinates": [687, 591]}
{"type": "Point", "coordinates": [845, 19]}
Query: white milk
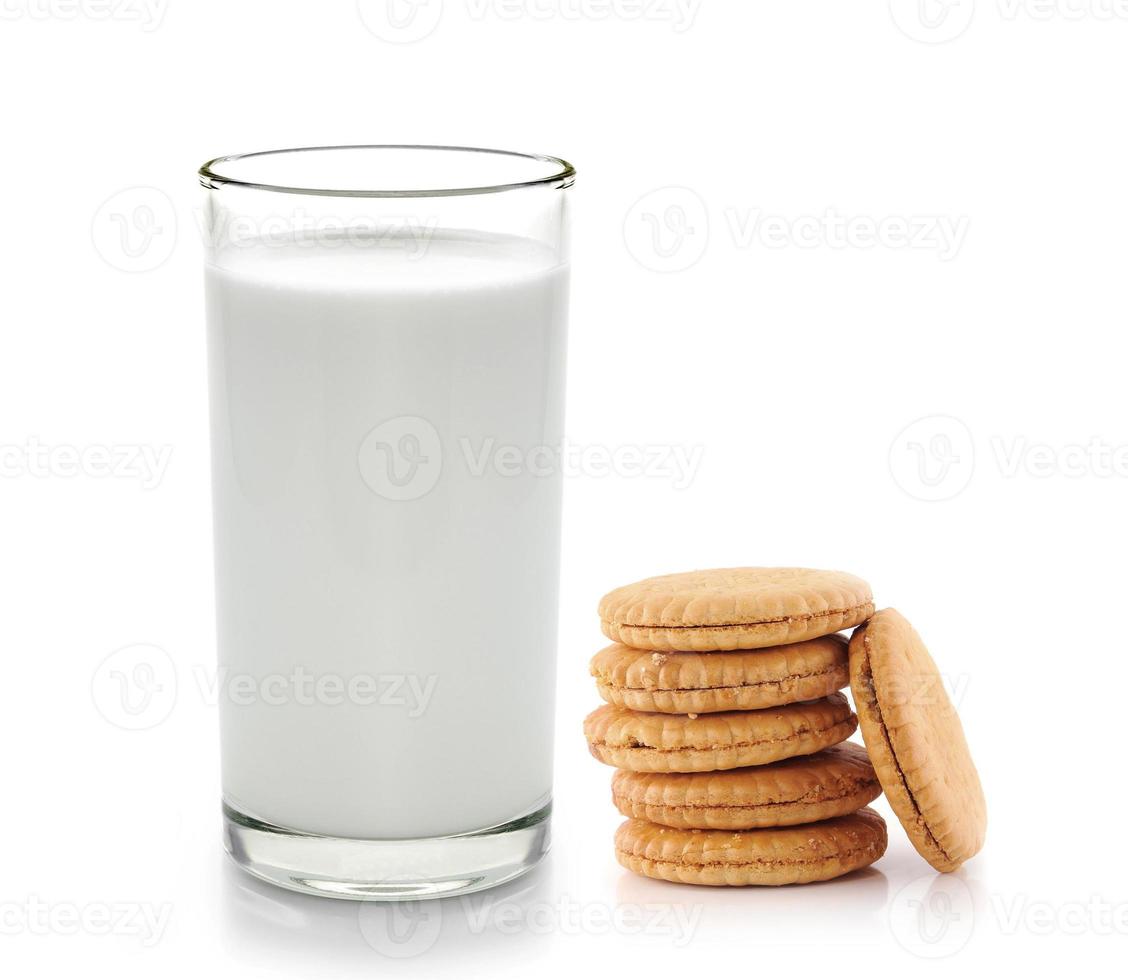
{"type": "Point", "coordinates": [386, 665]}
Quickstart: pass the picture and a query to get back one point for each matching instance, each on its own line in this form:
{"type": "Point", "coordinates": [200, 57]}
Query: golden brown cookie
{"type": "Point", "coordinates": [803, 789]}
{"type": "Point", "coordinates": [685, 683]}
{"type": "Point", "coordinates": [734, 608]}
{"type": "Point", "coordinates": [770, 856]}
{"type": "Point", "coordinates": [651, 742]}
{"type": "Point", "coordinates": [916, 741]}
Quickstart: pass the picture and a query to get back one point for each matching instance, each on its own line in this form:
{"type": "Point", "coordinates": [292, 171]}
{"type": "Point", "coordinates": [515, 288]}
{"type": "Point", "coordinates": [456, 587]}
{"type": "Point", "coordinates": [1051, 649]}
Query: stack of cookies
{"type": "Point", "coordinates": [725, 720]}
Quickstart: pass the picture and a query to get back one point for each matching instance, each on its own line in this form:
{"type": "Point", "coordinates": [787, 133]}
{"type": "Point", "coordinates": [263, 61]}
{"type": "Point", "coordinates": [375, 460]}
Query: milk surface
{"type": "Point", "coordinates": [386, 626]}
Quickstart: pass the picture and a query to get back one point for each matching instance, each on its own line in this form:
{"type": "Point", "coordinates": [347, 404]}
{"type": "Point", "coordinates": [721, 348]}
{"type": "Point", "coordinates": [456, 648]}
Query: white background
{"type": "Point", "coordinates": [779, 326]}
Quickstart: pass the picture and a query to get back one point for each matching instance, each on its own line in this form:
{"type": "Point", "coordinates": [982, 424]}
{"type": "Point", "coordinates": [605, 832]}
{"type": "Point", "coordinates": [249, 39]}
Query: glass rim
{"type": "Point", "coordinates": [563, 175]}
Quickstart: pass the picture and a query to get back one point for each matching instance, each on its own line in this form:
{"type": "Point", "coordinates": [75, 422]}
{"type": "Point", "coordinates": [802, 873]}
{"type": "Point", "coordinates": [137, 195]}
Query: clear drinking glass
{"type": "Point", "coordinates": [386, 336]}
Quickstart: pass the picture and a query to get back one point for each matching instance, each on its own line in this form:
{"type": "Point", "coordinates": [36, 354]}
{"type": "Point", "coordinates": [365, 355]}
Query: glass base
{"type": "Point", "coordinates": [388, 870]}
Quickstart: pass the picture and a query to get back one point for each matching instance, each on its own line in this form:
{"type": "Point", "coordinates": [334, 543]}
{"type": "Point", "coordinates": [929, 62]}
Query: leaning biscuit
{"type": "Point", "coordinates": [650, 742]}
{"type": "Point", "coordinates": [916, 741]}
{"type": "Point", "coordinates": [687, 683]}
{"type": "Point", "coordinates": [771, 856]}
{"type": "Point", "coordinates": [734, 608]}
{"type": "Point", "coordinates": [803, 789]}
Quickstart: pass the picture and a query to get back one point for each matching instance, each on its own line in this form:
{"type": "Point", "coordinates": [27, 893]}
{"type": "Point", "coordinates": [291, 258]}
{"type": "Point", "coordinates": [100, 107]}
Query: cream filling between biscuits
{"type": "Point", "coordinates": [603, 679]}
{"type": "Point", "coordinates": [756, 862]}
{"type": "Point", "coordinates": [759, 622]}
{"type": "Point", "coordinates": [798, 733]}
{"type": "Point", "coordinates": [767, 805]}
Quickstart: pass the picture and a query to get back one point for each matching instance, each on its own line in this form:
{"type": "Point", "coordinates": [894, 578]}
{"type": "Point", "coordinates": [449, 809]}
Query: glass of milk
{"type": "Point", "coordinates": [386, 338]}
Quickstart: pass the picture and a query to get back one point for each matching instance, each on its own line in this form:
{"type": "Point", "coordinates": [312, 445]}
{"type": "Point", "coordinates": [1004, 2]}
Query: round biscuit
{"type": "Point", "coordinates": [734, 608]}
{"type": "Point", "coordinates": [916, 742]}
{"type": "Point", "coordinates": [802, 789]}
{"type": "Point", "coordinates": [690, 683]}
{"type": "Point", "coordinates": [652, 742]}
{"type": "Point", "coordinates": [771, 856]}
